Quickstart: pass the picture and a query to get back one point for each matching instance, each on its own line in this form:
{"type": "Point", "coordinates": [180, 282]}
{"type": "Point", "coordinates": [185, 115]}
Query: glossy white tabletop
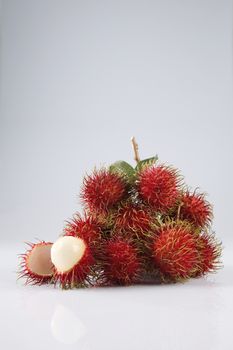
{"type": "Point", "coordinates": [195, 315]}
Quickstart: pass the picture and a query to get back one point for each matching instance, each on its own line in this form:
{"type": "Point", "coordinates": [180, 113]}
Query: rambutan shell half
{"type": "Point", "coordinates": [36, 264]}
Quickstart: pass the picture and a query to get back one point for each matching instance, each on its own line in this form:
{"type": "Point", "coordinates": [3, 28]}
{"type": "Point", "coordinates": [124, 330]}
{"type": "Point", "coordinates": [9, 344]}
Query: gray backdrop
{"type": "Point", "coordinates": [79, 78]}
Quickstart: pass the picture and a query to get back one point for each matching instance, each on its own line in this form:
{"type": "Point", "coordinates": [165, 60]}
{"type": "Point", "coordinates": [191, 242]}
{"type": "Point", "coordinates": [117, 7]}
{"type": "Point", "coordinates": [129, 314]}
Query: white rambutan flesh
{"type": "Point", "coordinates": [66, 252]}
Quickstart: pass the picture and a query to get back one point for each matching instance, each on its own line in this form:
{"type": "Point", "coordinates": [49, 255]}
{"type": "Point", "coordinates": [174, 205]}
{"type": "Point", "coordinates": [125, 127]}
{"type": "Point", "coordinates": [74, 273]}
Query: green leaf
{"type": "Point", "coordinates": [146, 162]}
{"type": "Point", "coordinates": [124, 169]}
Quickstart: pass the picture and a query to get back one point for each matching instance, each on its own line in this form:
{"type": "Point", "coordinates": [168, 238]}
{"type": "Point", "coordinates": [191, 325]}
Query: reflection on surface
{"type": "Point", "coordinates": [180, 316]}
{"type": "Point", "coordinates": [194, 315]}
{"type": "Point", "coordinates": [66, 327]}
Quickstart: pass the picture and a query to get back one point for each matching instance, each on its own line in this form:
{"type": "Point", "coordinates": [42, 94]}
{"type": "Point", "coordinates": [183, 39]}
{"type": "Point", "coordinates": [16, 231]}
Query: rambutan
{"type": "Point", "coordinates": [209, 250]}
{"type": "Point", "coordinates": [36, 265]}
{"type": "Point", "coordinates": [133, 218]}
{"type": "Point", "coordinates": [158, 186]}
{"type": "Point", "coordinates": [140, 225]}
{"type": "Point", "coordinates": [120, 261]}
{"type": "Point", "coordinates": [86, 228]}
{"type": "Point", "coordinates": [195, 209]}
{"type": "Point", "coordinates": [102, 190]}
{"type": "Point", "coordinates": [174, 250]}
{"type": "Point", "coordinates": [72, 259]}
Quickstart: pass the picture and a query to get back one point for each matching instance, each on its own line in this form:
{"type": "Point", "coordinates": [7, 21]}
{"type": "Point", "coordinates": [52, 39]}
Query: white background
{"type": "Point", "coordinates": [78, 79]}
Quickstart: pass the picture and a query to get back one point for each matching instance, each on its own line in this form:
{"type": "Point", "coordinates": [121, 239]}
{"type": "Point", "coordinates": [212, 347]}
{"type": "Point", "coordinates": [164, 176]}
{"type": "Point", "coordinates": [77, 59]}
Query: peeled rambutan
{"type": "Point", "coordinates": [133, 218]}
{"type": "Point", "coordinates": [120, 261]}
{"type": "Point", "coordinates": [86, 228]}
{"type": "Point", "coordinates": [158, 186]}
{"type": "Point", "coordinates": [102, 190]}
{"type": "Point", "coordinates": [174, 250]}
{"type": "Point", "coordinates": [209, 250]}
{"type": "Point", "coordinates": [72, 259]}
{"type": "Point", "coordinates": [36, 265]}
{"type": "Point", "coordinates": [196, 209]}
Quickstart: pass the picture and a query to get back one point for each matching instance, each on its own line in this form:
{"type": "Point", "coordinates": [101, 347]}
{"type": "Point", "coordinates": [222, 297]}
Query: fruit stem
{"type": "Point", "coordinates": [178, 211]}
{"type": "Point", "coordinates": [135, 149]}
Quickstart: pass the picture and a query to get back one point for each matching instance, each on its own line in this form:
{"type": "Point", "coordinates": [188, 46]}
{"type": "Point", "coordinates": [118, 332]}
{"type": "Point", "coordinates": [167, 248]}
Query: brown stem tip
{"type": "Point", "coordinates": [135, 149]}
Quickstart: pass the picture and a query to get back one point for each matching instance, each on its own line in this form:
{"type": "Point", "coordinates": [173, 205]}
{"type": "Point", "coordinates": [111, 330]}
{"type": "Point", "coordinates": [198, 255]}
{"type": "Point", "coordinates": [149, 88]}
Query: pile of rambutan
{"type": "Point", "coordinates": [140, 225]}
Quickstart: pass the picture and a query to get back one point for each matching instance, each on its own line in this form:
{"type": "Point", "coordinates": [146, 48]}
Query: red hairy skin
{"type": "Point", "coordinates": [78, 275]}
{"type": "Point", "coordinates": [175, 252]}
{"type": "Point", "coordinates": [36, 265]}
{"type": "Point", "coordinates": [195, 209]}
{"type": "Point", "coordinates": [209, 254]}
{"type": "Point", "coordinates": [120, 261]}
{"type": "Point", "coordinates": [140, 225]}
{"type": "Point", "coordinates": [133, 218]}
{"type": "Point", "coordinates": [158, 186]}
{"type": "Point", "coordinates": [86, 228]}
{"type": "Point", "coordinates": [102, 190]}
{"type": "Point", "coordinates": [105, 219]}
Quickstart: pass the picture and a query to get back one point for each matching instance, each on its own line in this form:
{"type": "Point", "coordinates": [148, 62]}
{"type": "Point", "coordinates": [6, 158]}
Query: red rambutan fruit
{"type": "Point", "coordinates": [158, 186]}
{"type": "Point", "coordinates": [72, 259]}
{"type": "Point", "coordinates": [133, 218]}
{"type": "Point", "coordinates": [209, 254]}
{"type": "Point", "coordinates": [86, 228]}
{"type": "Point", "coordinates": [120, 261]}
{"type": "Point", "coordinates": [174, 250]}
{"type": "Point", "coordinates": [102, 190]}
{"type": "Point", "coordinates": [36, 265]}
{"type": "Point", "coordinates": [195, 209]}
